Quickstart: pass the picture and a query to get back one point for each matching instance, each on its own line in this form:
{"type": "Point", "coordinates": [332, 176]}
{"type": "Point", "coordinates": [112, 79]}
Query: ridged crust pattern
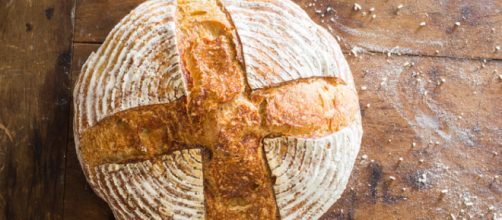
{"type": "Point", "coordinates": [311, 173]}
{"type": "Point", "coordinates": [162, 188]}
{"type": "Point", "coordinates": [281, 43]}
{"type": "Point", "coordinates": [137, 65]}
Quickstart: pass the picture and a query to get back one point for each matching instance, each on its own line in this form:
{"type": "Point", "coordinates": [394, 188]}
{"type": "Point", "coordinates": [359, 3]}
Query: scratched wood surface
{"type": "Point", "coordinates": [35, 55]}
{"type": "Point", "coordinates": [435, 102]}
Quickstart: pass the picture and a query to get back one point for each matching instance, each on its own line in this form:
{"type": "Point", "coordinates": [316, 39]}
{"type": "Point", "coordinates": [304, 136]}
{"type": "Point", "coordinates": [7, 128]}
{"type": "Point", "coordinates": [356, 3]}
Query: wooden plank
{"type": "Point", "coordinates": [399, 31]}
{"type": "Point", "coordinates": [455, 125]}
{"type": "Point", "coordinates": [96, 18]}
{"type": "Point", "coordinates": [388, 31]}
{"type": "Point", "coordinates": [35, 59]}
{"type": "Point", "coordinates": [80, 200]}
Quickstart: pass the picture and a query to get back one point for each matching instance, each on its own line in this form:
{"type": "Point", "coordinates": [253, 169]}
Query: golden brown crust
{"type": "Point", "coordinates": [141, 133]}
{"type": "Point", "coordinates": [308, 108]}
{"type": "Point", "coordinates": [221, 115]}
{"type": "Point", "coordinates": [237, 183]}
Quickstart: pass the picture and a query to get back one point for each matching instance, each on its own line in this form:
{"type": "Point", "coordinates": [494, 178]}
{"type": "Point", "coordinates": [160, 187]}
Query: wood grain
{"type": "Point", "coordinates": [96, 18]}
{"type": "Point", "coordinates": [399, 31]}
{"type": "Point", "coordinates": [35, 59]}
{"type": "Point", "coordinates": [455, 125]}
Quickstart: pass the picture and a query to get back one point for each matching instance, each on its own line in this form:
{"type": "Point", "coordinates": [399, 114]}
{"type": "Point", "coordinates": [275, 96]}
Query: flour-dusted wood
{"type": "Point", "coordinates": [176, 113]}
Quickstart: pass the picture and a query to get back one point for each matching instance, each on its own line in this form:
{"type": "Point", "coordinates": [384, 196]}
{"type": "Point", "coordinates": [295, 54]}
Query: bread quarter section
{"type": "Point", "coordinates": [311, 173]}
{"type": "Point", "coordinates": [168, 187]}
{"type": "Point", "coordinates": [137, 65]}
{"type": "Point", "coordinates": [281, 43]}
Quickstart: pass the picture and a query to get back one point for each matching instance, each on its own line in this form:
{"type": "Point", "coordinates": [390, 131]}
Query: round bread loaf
{"type": "Point", "coordinates": [217, 109]}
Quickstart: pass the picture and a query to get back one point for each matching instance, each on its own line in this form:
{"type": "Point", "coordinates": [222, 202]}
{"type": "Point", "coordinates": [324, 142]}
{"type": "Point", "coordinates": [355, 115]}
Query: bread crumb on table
{"type": "Point", "coordinates": [398, 8]}
{"type": "Point", "coordinates": [357, 7]}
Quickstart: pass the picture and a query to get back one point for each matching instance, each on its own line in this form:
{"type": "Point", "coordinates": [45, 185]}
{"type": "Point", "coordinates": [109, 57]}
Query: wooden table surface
{"type": "Point", "coordinates": [430, 94]}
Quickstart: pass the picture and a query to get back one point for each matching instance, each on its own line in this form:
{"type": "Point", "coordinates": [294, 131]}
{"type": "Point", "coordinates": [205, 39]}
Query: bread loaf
{"type": "Point", "coordinates": [217, 109]}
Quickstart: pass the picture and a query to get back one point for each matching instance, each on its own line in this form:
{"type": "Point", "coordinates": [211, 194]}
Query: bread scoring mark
{"type": "Point", "coordinates": [236, 179]}
{"type": "Point", "coordinates": [332, 106]}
